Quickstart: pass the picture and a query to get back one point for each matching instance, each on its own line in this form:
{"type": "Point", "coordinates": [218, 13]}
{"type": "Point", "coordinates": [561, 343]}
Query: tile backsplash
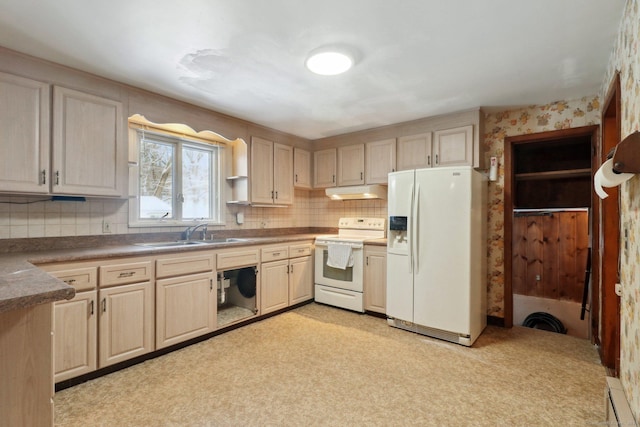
{"type": "Point", "coordinates": [22, 217]}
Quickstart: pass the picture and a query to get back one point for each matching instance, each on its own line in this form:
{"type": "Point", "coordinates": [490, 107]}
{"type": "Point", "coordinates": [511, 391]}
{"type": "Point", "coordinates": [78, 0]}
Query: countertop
{"type": "Point", "coordinates": [23, 284]}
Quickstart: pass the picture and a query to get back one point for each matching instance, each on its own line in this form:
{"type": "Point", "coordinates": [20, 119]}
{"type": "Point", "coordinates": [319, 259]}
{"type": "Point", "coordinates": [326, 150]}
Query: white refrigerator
{"type": "Point", "coordinates": [436, 252]}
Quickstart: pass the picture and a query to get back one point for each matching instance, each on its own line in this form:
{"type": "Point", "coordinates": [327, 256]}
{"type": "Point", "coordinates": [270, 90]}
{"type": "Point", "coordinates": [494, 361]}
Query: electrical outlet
{"type": "Point", "coordinates": [106, 226]}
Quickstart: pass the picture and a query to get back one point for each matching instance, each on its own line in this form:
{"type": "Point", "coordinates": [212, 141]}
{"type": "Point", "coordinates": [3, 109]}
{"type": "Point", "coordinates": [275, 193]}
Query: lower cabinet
{"type": "Point", "coordinates": [126, 322]}
{"type": "Point", "coordinates": [375, 278]}
{"type": "Point", "coordinates": [300, 279]}
{"type": "Point", "coordinates": [274, 286]}
{"type": "Point", "coordinates": [185, 308]}
{"type": "Point", "coordinates": [75, 336]}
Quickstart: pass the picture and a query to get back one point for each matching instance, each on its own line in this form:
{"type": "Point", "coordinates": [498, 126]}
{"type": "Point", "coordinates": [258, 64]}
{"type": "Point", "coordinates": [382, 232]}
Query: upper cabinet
{"type": "Point", "coordinates": [414, 151]}
{"type": "Point", "coordinates": [301, 168]}
{"type": "Point", "coordinates": [453, 147]}
{"type": "Point", "coordinates": [324, 168]}
{"type": "Point", "coordinates": [380, 159]}
{"type": "Point", "coordinates": [24, 135]}
{"type": "Point", "coordinates": [351, 165]}
{"type": "Point", "coordinates": [271, 173]}
{"type": "Point", "coordinates": [446, 147]}
{"type": "Point", "coordinates": [87, 151]}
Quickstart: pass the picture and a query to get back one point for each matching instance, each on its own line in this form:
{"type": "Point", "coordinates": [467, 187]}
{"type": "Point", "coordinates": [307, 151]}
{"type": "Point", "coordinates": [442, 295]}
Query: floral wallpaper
{"type": "Point", "coordinates": [625, 58]}
{"type": "Point", "coordinates": [533, 119]}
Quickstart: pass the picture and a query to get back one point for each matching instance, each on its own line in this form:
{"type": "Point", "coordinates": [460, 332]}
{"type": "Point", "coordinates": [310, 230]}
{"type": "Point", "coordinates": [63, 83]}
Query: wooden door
{"type": "Point", "coordinates": [274, 286]}
{"type": "Point", "coordinates": [185, 308]}
{"type": "Point", "coordinates": [282, 174]}
{"type": "Point", "coordinates": [261, 171]}
{"type": "Point", "coordinates": [351, 165]}
{"type": "Point", "coordinates": [301, 168]}
{"type": "Point", "coordinates": [126, 322]}
{"type": "Point", "coordinates": [375, 279]}
{"type": "Point", "coordinates": [453, 147]}
{"type": "Point", "coordinates": [24, 135]}
{"type": "Point", "coordinates": [324, 168]}
{"type": "Point", "coordinates": [380, 160]}
{"type": "Point", "coordinates": [300, 279]}
{"type": "Point", "coordinates": [75, 328]}
{"type": "Point", "coordinates": [89, 151]}
{"type": "Point", "coordinates": [414, 152]}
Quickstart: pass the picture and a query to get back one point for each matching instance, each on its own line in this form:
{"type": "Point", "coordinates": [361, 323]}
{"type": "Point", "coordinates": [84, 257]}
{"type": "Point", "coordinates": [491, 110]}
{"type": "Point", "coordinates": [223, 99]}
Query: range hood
{"type": "Point", "coordinates": [358, 192]}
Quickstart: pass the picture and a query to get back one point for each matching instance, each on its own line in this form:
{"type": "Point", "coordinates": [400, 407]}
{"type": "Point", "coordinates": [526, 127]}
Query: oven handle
{"type": "Point", "coordinates": [354, 246]}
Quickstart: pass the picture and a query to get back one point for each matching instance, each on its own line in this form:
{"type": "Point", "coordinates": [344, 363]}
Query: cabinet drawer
{"type": "Point", "coordinates": [82, 279]}
{"type": "Point", "coordinates": [275, 253]}
{"type": "Point", "coordinates": [167, 267]}
{"type": "Point", "coordinates": [302, 249]}
{"type": "Point", "coordinates": [119, 274]}
{"type": "Point", "coordinates": [237, 259]}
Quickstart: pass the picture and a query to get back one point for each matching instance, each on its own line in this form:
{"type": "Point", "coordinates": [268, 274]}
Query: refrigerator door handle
{"type": "Point", "coordinates": [410, 231]}
{"type": "Point", "coordinates": [416, 228]}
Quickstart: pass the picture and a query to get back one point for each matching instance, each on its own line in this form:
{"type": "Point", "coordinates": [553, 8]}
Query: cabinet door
{"type": "Point", "coordinates": [324, 168]}
{"type": "Point", "coordinates": [300, 279]}
{"type": "Point", "coordinates": [301, 168]}
{"type": "Point", "coordinates": [414, 152]}
{"type": "Point", "coordinates": [351, 165]}
{"type": "Point", "coordinates": [453, 147]}
{"type": "Point", "coordinates": [375, 279]}
{"type": "Point", "coordinates": [380, 159]}
{"type": "Point", "coordinates": [126, 322]}
{"type": "Point", "coordinates": [75, 327]}
{"type": "Point", "coordinates": [274, 287]}
{"type": "Point", "coordinates": [24, 135]}
{"type": "Point", "coordinates": [185, 308]}
{"type": "Point", "coordinates": [261, 171]}
{"type": "Point", "coordinates": [283, 174]}
{"type": "Point", "coordinates": [89, 151]}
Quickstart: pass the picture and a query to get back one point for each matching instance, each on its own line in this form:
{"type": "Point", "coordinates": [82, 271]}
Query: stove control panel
{"type": "Point", "coordinates": [362, 223]}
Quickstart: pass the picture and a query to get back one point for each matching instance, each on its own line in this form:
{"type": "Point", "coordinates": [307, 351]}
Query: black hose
{"type": "Point", "coordinates": [546, 321]}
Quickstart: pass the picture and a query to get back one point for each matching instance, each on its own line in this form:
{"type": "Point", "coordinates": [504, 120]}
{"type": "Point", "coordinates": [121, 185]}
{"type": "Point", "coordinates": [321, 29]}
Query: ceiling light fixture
{"type": "Point", "coordinates": [329, 61]}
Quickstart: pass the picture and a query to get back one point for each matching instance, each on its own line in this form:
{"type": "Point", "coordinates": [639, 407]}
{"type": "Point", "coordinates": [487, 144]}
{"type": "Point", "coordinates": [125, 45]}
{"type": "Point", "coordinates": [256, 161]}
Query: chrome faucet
{"type": "Point", "coordinates": [190, 230]}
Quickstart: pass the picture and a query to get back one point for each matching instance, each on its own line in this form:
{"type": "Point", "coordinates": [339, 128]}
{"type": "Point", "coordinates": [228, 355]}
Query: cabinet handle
{"type": "Point", "coordinates": [276, 254]}
{"type": "Point", "coordinates": [296, 177]}
{"type": "Point", "coordinates": [291, 268]}
{"type": "Point", "coordinates": [57, 177]}
{"type": "Point", "coordinates": [367, 260]}
{"type": "Point", "coordinates": [210, 284]}
{"type": "Point", "coordinates": [126, 274]}
{"type": "Point", "coordinates": [272, 194]}
{"type": "Point", "coordinates": [436, 159]}
{"type": "Point", "coordinates": [104, 305]}
{"type": "Point", "coordinates": [44, 176]}
{"type": "Point", "coordinates": [70, 281]}
{"type": "Point", "coordinates": [276, 195]}
{"type": "Point", "coordinates": [91, 308]}
{"type": "Point", "coordinates": [429, 160]}
{"type": "Point", "coordinates": [360, 175]}
{"type": "Point", "coordinates": [333, 179]}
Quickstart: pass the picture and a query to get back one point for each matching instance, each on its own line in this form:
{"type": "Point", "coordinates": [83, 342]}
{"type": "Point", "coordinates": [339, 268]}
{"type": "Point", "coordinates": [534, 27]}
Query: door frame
{"type": "Point", "coordinates": [607, 251]}
{"type": "Point", "coordinates": [509, 185]}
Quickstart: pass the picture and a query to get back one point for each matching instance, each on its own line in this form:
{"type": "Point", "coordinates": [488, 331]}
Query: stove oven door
{"type": "Point", "coordinates": [349, 278]}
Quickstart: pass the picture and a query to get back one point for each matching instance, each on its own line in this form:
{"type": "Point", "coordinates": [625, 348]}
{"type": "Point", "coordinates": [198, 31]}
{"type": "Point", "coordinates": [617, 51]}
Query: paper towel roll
{"type": "Point", "coordinates": [606, 177]}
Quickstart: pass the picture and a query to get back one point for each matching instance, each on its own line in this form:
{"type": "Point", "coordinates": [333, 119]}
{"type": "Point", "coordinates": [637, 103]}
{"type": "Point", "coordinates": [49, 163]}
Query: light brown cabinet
{"type": "Point", "coordinates": [89, 153]}
{"type": "Point", "coordinates": [324, 168]}
{"type": "Point", "coordinates": [375, 278]}
{"type": "Point", "coordinates": [271, 173]}
{"type": "Point", "coordinates": [287, 276]}
{"type": "Point", "coordinates": [185, 298]}
{"type": "Point", "coordinates": [351, 165]}
{"type": "Point", "coordinates": [75, 324]}
{"type": "Point", "coordinates": [24, 135]}
{"type": "Point", "coordinates": [301, 168]}
{"type": "Point", "coordinates": [380, 160]}
{"type": "Point", "coordinates": [445, 147]}
{"type": "Point", "coordinates": [85, 153]}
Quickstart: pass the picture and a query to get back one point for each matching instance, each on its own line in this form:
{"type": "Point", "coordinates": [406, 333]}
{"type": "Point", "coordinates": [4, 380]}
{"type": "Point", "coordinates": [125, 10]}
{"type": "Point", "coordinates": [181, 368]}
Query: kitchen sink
{"type": "Point", "coordinates": [180, 243]}
{"type": "Point", "coordinates": [173, 243]}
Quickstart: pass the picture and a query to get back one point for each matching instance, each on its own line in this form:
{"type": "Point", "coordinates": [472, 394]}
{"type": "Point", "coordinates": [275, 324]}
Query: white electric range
{"type": "Point", "coordinates": [339, 262]}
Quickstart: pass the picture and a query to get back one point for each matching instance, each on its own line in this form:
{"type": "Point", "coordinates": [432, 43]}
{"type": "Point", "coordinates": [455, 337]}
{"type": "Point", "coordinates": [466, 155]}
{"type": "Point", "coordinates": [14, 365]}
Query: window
{"type": "Point", "coordinates": [178, 180]}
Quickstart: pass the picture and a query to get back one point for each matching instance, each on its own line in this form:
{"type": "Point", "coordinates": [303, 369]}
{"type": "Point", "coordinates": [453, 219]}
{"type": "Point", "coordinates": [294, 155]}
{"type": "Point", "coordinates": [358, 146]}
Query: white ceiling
{"type": "Point", "coordinates": [416, 58]}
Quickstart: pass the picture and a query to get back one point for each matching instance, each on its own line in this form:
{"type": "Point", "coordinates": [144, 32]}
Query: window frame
{"type": "Point", "coordinates": [178, 142]}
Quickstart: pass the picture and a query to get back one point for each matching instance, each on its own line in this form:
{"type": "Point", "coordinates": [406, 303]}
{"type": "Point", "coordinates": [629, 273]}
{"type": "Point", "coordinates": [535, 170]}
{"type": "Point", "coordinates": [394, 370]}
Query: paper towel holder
{"type": "Point", "coordinates": [626, 155]}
